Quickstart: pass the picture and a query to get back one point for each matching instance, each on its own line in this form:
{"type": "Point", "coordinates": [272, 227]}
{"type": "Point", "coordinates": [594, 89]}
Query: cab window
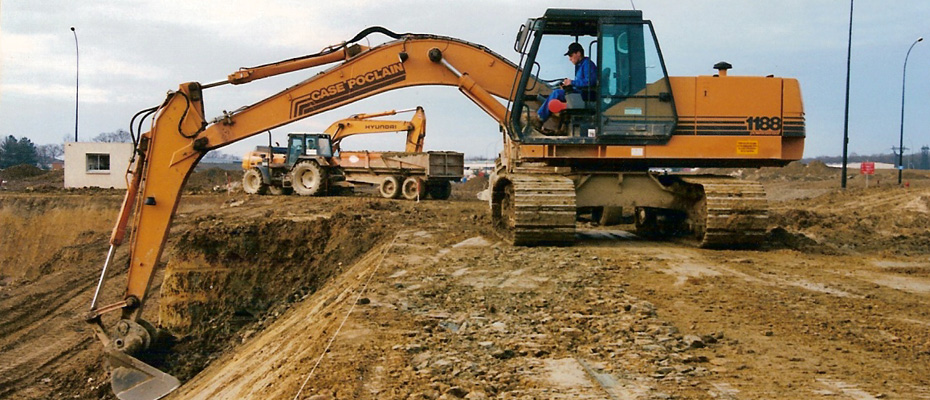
{"type": "Point", "coordinates": [553, 63]}
{"type": "Point", "coordinates": [634, 88]}
{"type": "Point", "coordinates": [296, 148]}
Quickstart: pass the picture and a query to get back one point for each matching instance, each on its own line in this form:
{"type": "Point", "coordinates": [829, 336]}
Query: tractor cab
{"type": "Point", "coordinates": [302, 146]}
{"type": "Point", "coordinates": [630, 101]}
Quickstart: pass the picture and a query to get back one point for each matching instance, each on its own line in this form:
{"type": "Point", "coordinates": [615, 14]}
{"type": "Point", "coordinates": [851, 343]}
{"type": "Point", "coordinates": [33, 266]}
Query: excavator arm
{"type": "Point", "coordinates": [361, 124]}
{"type": "Point", "coordinates": [180, 135]}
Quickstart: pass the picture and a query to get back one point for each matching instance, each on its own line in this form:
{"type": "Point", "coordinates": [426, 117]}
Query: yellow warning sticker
{"type": "Point", "coordinates": [747, 147]}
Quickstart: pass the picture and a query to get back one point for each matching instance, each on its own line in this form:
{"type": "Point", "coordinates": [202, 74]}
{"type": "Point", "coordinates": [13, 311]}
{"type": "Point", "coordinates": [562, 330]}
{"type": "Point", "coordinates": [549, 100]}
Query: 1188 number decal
{"type": "Point", "coordinates": [763, 123]}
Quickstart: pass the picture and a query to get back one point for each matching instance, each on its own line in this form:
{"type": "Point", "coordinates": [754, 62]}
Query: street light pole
{"type": "Point", "coordinates": [903, 80]}
{"type": "Point", "coordinates": [846, 114]}
{"type": "Point", "coordinates": [77, 76]}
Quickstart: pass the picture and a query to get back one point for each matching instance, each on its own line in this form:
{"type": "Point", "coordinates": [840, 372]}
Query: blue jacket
{"type": "Point", "coordinates": [585, 73]}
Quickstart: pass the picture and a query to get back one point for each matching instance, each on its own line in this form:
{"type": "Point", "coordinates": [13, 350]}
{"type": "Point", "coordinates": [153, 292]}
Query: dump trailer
{"type": "Point", "coordinates": [411, 175]}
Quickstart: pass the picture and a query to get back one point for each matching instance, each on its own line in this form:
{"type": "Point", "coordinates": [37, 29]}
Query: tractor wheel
{"type": "Point", "coordinates": [414, 188]}
{"type": "Point", "coordinates": [308, 179]}
{"type": "Point", "coordinates": [252, 182]}
{"type": "Point", "coordinates": [390, 187]}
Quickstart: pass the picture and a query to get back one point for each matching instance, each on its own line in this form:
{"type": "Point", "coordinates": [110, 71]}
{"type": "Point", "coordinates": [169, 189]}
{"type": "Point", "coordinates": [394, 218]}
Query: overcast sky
{"type": "Point", "coordinates": [133, 51]}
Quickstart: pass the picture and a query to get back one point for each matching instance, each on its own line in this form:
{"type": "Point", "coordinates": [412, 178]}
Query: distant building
{"type": "Point", "coordinates": [97, 164]}
{"type": "Point", "coordinates": [475, 168]}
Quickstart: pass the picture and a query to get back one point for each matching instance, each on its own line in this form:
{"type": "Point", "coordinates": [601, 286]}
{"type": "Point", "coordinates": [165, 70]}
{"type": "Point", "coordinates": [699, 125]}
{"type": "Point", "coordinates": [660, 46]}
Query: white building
{"type": "Point", "coordinates": [97, 164]}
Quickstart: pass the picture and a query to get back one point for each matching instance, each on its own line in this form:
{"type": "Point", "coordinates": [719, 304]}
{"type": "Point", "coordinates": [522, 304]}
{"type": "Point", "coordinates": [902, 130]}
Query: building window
{"type": "Point", "coordinates": [98, 162]}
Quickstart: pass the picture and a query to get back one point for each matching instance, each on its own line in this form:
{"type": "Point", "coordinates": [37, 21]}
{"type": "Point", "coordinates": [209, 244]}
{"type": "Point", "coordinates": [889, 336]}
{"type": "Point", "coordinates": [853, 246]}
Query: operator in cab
{"type": "Point", "coordinates": [585, 79]}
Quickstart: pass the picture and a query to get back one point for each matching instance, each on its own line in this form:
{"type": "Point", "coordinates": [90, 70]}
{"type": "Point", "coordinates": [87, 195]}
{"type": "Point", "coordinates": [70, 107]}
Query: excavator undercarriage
{"type": "Point", "coordinates": [713, 211]}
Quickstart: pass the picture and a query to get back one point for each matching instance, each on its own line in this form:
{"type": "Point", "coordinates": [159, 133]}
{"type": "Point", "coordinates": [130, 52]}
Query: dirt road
{"type": "Point", "coordinates": [447, 316]}
{"type": "Point", "coordinates": [392, 299]}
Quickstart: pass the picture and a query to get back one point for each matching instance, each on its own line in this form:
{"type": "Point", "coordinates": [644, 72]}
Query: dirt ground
{"type": "Point", "coordinates": [360, 297]}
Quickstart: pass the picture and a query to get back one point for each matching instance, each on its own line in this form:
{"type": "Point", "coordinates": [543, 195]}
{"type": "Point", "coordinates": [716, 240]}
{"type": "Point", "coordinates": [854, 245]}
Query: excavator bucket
{"type": "Point", "coordinates": [132, 379]}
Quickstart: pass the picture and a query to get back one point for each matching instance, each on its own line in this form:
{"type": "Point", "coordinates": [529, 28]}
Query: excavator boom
{"type": "Point", "coordinates": [180, 134]}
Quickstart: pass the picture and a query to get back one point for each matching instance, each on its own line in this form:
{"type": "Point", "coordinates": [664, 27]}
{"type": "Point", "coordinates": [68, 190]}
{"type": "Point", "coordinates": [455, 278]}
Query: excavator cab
{"type": "Point", "coordinates": [631, 102]}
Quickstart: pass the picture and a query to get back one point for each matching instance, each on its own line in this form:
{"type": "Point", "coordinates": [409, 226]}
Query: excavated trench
{"type": "Point", "coordinates": [230, 272]}
{"type": "Point", "coordinates": [228, 279]}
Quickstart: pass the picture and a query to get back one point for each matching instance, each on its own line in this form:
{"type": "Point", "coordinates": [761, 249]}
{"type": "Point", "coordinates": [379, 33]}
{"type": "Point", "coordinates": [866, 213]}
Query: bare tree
{"type": "Point", "coordinates": [118, 136]}
{"type": "Point", "coordinates": [48, 153]}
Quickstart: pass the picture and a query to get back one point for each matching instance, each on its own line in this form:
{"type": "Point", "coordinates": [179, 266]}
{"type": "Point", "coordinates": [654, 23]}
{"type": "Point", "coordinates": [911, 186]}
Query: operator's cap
{"type": "Point", "coordinates": [574, 48]}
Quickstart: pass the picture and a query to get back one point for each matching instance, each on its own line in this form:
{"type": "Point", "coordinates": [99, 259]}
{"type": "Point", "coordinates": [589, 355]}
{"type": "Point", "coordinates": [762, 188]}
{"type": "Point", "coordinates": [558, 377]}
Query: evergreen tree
{"type": "Point", "coordinates": [16, 152]}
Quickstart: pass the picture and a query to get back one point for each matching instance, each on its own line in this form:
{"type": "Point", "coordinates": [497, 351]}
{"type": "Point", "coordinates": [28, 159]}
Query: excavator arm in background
{"type": "Point", "coordinates": [180, 135]}
{"type": "Point", "coordinates": [361, 124]}
{"type": "Point", "coordinates": [358, 124]}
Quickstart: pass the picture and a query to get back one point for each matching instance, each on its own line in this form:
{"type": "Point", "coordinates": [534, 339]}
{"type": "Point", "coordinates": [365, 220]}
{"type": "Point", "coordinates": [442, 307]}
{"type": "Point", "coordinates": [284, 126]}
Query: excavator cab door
{"type": "Point", "coordinates": [631, 101]}
{"type": "Point", "coordinates": [634, 91]}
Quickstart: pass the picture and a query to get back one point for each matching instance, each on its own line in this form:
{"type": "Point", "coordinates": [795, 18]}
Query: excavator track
{"type": "Point", "coordinates": [731, 212]}
{"type": "Point", "coordinates": [536, 210]}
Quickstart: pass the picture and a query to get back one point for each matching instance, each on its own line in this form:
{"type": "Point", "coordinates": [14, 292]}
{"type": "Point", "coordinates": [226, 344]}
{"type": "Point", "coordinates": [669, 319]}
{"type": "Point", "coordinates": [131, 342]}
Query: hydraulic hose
{"type": "Point", "coordinates": [147, 112]}
{"type": "Point", "coordinates": [358, 37]}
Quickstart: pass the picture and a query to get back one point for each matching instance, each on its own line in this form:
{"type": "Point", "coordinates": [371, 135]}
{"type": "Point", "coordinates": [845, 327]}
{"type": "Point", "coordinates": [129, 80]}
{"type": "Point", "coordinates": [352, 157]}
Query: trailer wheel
{"type": "Point", "coordinates": [440, 190]}
{"type": "Point", "coordinates": [308, 179]}
{"type": "Point", "coordinates": [414, 188]}
{"type": "Point", "coordinates": [252, 182]}
{"type": "Point", "coordinates": [390, 187]}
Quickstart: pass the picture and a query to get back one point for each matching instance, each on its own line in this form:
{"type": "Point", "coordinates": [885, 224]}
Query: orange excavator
{"type": "Point", "coordinates": [598, 155]}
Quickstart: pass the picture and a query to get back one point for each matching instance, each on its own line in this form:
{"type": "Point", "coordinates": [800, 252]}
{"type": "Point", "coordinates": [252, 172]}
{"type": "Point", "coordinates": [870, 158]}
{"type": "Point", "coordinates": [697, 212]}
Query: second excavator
{"type": "Point", "coordinates": [597, 156]}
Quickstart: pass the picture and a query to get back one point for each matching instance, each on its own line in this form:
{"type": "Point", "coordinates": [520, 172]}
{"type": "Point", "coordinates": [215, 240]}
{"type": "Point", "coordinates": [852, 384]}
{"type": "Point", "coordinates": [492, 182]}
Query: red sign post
{"type": "Point", "coordinates": [867, 168]}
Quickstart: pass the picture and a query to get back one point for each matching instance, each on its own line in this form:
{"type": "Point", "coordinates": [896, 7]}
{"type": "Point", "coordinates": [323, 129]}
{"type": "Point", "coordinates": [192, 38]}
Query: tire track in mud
{"type": "Point", "coordinates": [43, 332]}
{"type": "Point", "coordinates": [474, 317]}
{"type": "Point", "coordinates": [813, 313]}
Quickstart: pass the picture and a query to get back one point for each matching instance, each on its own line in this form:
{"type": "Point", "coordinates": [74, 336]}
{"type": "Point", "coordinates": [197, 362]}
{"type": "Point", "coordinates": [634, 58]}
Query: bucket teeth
{"type": "Point", "coordinates": [132, 379]}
